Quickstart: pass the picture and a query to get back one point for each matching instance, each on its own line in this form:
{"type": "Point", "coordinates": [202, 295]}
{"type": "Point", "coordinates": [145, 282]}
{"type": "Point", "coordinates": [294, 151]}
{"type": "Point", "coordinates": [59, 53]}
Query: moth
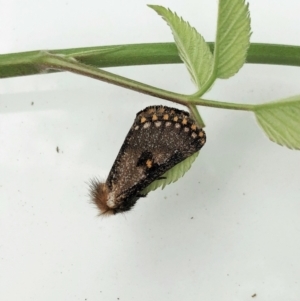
{"type": "Point", "coordinates": [159, 138]}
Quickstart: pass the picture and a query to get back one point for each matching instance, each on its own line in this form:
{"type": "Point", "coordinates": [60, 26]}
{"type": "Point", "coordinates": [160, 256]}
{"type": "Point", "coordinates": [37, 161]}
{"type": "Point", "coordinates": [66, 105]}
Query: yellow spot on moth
{"type": "Point", "coordinates": [149, 163]}
{"type": "Point", "coordinates": [143, 119]}
{"type": "Point", "coordinates": [166, 117]}
{"type": "Point", "coordinates": [154, 117]}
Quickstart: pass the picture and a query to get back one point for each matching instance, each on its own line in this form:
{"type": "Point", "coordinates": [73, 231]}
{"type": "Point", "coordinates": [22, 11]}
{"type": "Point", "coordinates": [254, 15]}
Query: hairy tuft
{"type": "Point", "coordinates": [99, 196]}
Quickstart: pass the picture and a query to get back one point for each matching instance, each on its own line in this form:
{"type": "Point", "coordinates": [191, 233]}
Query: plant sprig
{"type": "Point", "coordinates": [206, 62]}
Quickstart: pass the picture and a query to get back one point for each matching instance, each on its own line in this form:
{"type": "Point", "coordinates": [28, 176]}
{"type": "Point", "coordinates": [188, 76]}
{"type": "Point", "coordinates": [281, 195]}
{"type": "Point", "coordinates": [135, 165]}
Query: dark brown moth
{"type": "Point", "coordinates": [159, 138]}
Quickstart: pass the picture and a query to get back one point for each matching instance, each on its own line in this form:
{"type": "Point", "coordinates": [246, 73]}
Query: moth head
{"type": "Point", "coordinates": [99, 193]}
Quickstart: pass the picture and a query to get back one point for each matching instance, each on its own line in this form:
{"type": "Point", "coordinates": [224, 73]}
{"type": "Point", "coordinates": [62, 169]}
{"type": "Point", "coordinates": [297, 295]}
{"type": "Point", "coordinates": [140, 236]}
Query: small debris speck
{"type": "Point", "coordinates": [253, 296]}
{"type": "Point", "coordinates": [57, 149]}
{"type": "Point", "coordinates": [32, 103]}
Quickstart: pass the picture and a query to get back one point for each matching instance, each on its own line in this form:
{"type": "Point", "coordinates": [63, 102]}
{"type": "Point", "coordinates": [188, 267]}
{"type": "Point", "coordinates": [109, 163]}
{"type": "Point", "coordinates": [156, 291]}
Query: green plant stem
{"type": "Point", "coordinates": [195, 113]}
{"type": "Point", "coordinates": [47, 62]}
{"type": "Point", "coordinates": [224, 105]}
{"type": "Point", "coordinates": [51, 62]}
{"type": "Point", "coordinates": [85, 61]}
{"type": "Point", "coordinates": [19, 64]}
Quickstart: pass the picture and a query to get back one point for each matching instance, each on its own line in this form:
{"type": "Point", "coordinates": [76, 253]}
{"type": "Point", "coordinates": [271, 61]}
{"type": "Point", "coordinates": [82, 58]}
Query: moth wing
{"type": "Point", "coordinates": [160, 138]}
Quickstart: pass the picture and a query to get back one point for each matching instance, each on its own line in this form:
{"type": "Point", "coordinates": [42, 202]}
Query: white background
{"type": "Point", "coordinates": [227, 230]}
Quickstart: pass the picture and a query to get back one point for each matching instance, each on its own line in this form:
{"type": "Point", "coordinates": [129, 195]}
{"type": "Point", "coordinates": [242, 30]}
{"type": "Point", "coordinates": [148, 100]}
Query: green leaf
{"type": "Point", "coordinates": [280, 120]}
{"type": "Point", "coordinates": [233, 37]}
{"type": "Point", "coordinates": [192, 48]}
{"type": "Point", "coordinates": [173, 174]}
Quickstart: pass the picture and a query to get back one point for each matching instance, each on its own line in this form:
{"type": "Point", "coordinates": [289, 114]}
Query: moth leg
{"type": "Point", "coordinates": [161, 178]}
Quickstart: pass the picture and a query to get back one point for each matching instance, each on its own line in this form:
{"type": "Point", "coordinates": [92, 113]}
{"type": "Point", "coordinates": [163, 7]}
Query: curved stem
{"type": "Point", "coordinates": [48, 62]}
